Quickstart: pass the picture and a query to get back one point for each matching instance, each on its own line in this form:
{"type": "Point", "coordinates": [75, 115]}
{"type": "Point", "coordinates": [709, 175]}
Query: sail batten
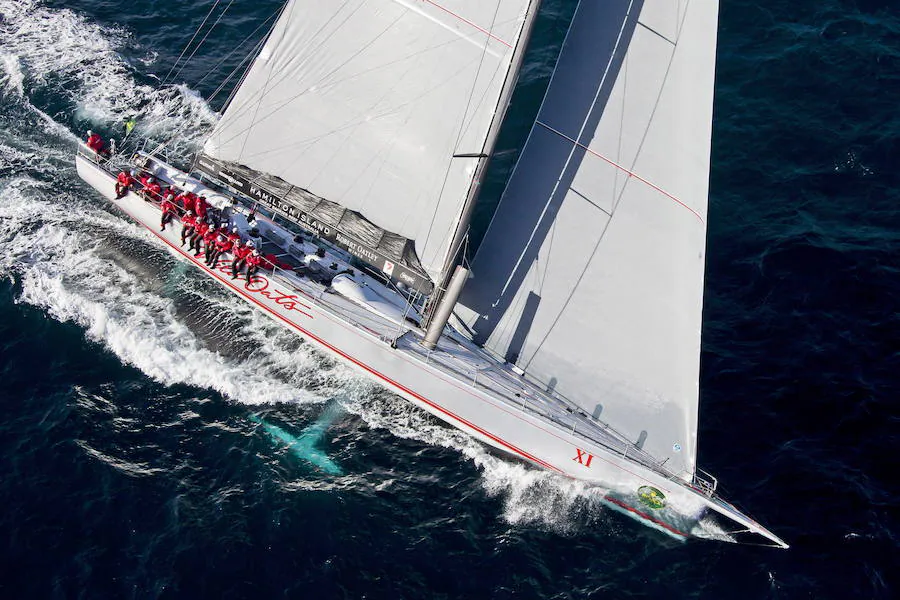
{"type": "Point", "coordinates": [382, 106]}
{"type": "Point", "coordinates": [590, 275]}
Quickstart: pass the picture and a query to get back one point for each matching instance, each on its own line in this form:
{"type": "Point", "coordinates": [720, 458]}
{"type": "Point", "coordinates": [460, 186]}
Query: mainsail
{"type": "Point", "coordinates": [590, 276]}
{"type": "Point", "coordinates": [381, 106]}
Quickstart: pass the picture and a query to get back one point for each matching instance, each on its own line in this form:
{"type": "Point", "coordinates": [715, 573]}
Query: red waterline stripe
{"type": "Point", "coordinates": [621, 168]}
{"type": "Point", "coordinates": [365, 367]}
{"type": "Point", "coordinates": [646, 516]}
{"type": "Point", "coordinates": [468, 22]}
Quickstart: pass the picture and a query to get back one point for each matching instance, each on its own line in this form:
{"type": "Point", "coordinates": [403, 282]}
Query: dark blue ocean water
{"type": "Point", "coordinates": [130, 467]}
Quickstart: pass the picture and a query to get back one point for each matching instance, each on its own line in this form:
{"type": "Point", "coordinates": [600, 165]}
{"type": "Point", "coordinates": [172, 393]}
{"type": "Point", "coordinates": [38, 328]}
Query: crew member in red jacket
{"type": "Point", "coordinates": [209, 242]}
{"type": "Point", "coordinates": [152, 189]}
{"type": "Point", "coordinates": [186, 201]}
{"type": "Point", "coordinates": [240, 257]}
{"type": "Point", "coordinates": [197, 237]}
{"type": "Point", "coordinates": [95, 143]}
{"type": "Point", "coordinates": [188, 225]}
{"type": "Point", "coordinates": [253, 262]}
{"type": "Point", "coordinates": [168, 211]}
{"type": "Point", "coordinates": [201, 206]}
{"type": "Point", "coordinates": [223, 245]}
{"type": "Point", "coordinates": [235, 236]}
{"type": "Point", "coordinates": [124, 182]}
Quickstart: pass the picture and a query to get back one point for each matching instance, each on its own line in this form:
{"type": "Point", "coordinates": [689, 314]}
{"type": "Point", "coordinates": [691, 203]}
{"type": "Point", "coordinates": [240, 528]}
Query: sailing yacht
{"type": "Point", "coordinates": [569, 336]}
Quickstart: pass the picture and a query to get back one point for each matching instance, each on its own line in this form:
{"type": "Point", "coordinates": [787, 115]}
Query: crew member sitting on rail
{"type": "Point", "coordinates": [235, 236]}
{"type": "Point", "coordinates": [200, 231]}
{"type": "Point", "coordinates": [240, 258]}
{"type": "Point", "coordinates": [223, 245]}
{"type": "Point", "coordinates": [188, 225]}
{"type": "Point", "coordinates": [152, 190]}
{"type": "Point", "coordinates": [168, 211]}
{"type": "Point", "coordinates": [95, 143]}
{"type": "Point", "coordinates": [209, 242]}
{"type": "Point", "coordinates": [124, 182]}
{"type": "Point", "coordinates": [253, 261]}
{"type": "Point", "coordinates": [169, 194]}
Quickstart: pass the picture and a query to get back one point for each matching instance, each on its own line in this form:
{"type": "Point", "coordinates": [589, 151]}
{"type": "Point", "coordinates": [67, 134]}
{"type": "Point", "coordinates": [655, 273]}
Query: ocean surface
{"type": "Point", "coordinates": [133, 463]}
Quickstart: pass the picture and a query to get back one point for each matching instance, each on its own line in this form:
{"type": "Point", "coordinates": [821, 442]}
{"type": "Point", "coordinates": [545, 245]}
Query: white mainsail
{"type": "Point", "coordinates": [366, 102]}
{"type": "Point", "coordinates": [590, 276]}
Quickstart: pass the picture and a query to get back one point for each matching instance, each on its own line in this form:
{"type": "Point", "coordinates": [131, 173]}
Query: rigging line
{"type": "Point", "coordinates": [308, 53]}
{"type": "Point", "coordinates": [345, 125]}
{"type": "Point", "coordinates": [188, 59]}
{"type": "Point", "coordinates": [366, 110]}
{"type": "Point", "coordinates": [319, 86]}
{"type": "Point", "coordinates": [234, 71]}
{"type": "Point", "coordinates": [196, 33]}
{"type": "Point", "coordinates": [462, 129]}
{"type": "Point", "coordinates": [236, 48]}
{"type": "Point", "coordinates": [266, 85]}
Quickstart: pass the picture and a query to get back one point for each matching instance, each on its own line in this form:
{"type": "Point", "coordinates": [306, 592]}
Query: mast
{"type": "Point", "coordinates": [484, 159]}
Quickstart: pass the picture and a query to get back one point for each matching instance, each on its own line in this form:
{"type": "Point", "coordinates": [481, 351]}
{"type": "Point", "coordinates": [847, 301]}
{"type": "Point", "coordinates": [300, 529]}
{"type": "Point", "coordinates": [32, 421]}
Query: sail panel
{"type": "Point", "coordinates": [590, 276]}
{"type": "Point", "coordinates": [366, 103]}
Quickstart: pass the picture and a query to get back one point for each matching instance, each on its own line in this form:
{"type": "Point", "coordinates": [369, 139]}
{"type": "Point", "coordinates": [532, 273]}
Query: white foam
{"type": "Point", "coordinates": [61, 48]}
{"type": "Point", "coordinates": [11, 79]}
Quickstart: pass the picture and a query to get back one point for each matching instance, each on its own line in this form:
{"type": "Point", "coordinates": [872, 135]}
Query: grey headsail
{"type": "Point", "coordinates": [590, 276]}
{"type": "Point", "coordinates": [380, 106]}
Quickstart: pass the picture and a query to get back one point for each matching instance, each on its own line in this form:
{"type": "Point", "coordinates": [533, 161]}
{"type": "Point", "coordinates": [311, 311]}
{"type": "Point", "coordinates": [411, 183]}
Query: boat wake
{"type": "Point", "coordinates": [80, 263]}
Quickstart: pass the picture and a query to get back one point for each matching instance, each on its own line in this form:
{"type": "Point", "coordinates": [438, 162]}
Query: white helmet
{"type": "Point", "coordinates": [250, 244]}
{"type": "Point", "coordinates": [255, 252]}
{"type": "Point", "coordinates": [234, 230]}
{"type": "Point", "coordinates": [151, 179]}
{"type": "Point", "coordinates": [90, 133]}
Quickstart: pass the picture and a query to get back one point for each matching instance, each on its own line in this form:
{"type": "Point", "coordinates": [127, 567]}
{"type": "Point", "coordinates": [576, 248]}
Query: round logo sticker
{"type": "Point", "coordinates": [651, 496]}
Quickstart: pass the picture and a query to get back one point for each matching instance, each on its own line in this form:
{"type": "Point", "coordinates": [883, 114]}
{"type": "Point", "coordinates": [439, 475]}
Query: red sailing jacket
{"type": "Point", "coordinates": [242, 252]}
{"type": "Point", "coordinates": [125, 178]}
{"type": "Point", "coordinates": [223, 244]}
{"type": "Point", "coordinates": [189, 220]}
{"type": "Point", "coordinates": [167, 206]}
{"type": "Point", "coordinates": [95, 143]}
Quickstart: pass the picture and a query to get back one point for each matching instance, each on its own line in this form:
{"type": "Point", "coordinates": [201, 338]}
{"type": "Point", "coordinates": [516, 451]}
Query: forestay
{"type": "Point", "coordinates": [366, 102]}
{"type": "Point", "coordinates": [590, 276]}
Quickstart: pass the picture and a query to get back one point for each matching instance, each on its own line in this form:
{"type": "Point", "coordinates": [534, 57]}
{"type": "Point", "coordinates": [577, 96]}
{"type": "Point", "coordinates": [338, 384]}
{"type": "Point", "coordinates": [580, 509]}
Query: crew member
{"type": "Point", "coordinates": [188, 225]}
{"type": "Point", "coordinates": [253, 261]}
{"type": "Point", "coordinates": [95, 143]}
{"type": "Point", "coordinates": [168, 211]}
{"type": "Point", "coordinates": [240, 258]}
{"type": "Point", "coordinates": [153, 191]}
{"type": "Point", "coordinates": [201, 206]}
{"type": "Point", "coordinates": [223, 245]}
{"type": "Point", "coordinates": [124, 182]}
{"type": "Point", "coordinates": [187, 201]}
{"type": "Point", "coordinates": [209, 243]}
{"type": "Point", "coordinates": [199, 234]}
{"type": "Point", "coordinates": [235, 236]}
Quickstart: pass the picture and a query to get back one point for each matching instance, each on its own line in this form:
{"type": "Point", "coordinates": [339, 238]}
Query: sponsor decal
{"type": "Point", "coordinates": [651, 496]}
{"type": "Point", "coordinates": [388, 268]}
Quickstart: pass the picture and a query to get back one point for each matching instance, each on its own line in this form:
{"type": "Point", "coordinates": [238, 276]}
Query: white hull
{"type": "Point", "coordinates": [427, 382]}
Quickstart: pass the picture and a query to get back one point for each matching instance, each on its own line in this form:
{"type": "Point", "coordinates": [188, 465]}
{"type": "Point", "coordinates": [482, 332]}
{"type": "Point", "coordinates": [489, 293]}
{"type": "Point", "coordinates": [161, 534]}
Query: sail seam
{"type": "Point", "coordinates": [629, 172]}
